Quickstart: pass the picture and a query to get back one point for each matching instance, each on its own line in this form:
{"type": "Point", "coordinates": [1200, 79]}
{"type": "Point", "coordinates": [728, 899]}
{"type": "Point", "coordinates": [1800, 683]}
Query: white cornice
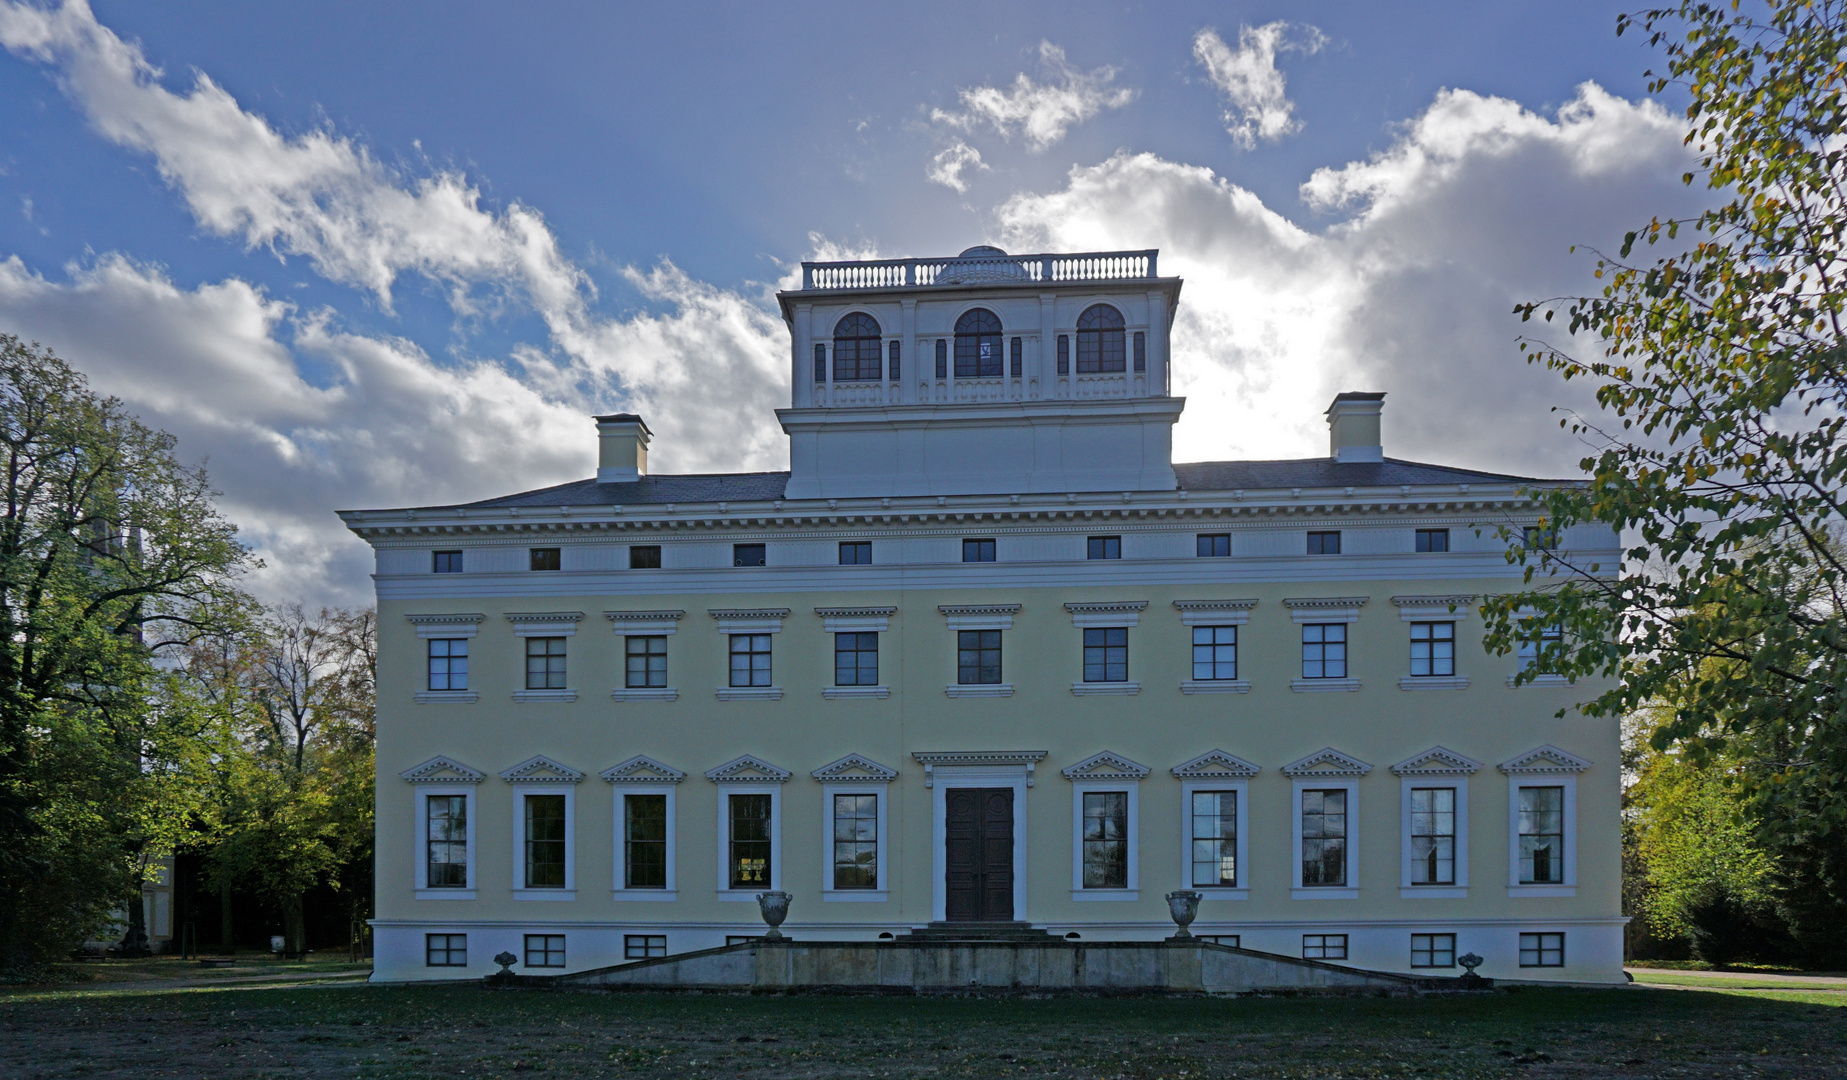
{"type": "Point", "coordinates": [1214, 612]}
{"type": "Point", "coordinates": [442, 770]}
{"type": "Point", "coordinates": [930, 759]}
{"type": "Point", "coordinates": [1107, 613]}
{"type": "Point", "coordinates": [1326, 762]}
{"type": "Point", "coordinates": [1106, 766]}
{"type": "Point", "coordinates": [1437, 761]}
{"type": "Point", "coordinates": [1216, 765]}
{"type": "Point", "coordinates": [541, 770]}
{"type": "Point", "coordinates": [642, 769]}
{"type": "Point", "coordinates": [854, 767]}
{"type": "Point", "coordinates": [1545, 759]}
{"type": "Point", "coordinates": [747, 767]}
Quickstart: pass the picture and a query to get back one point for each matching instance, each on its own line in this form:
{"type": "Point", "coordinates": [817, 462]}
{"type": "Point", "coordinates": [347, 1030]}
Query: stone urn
{"type": "Point", "coordinates": [506, 960]}
{"type": "Point", "coordinates": [775, 908]}
{"type": "Point", "coordinates": [1183, 905]}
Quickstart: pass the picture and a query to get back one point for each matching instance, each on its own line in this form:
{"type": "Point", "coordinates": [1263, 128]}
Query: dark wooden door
{"type": "Point", "coordinates": [979, 854]}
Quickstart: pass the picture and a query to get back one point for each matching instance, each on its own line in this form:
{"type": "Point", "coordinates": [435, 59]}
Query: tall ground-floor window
{"type": "Point", "coordinates": [856, 841]}
{"type": "Point", "coordinates": [545, 841]}
{"type": "Point", "coordinates": [1106, 839]}
{"type": "Point", "coordinates": [644, 843]}
{"type": "Point", "coordinates": [1215, 838]}
{"type": "Point", "coordinates": [1324, 837]}
{"type": "Point", "coordinates": [1433, 836]}
{"type": "Point", "coordinates": [447, 856]}
{"type": "Point", "coordinates": [749, 860]}
{"type": "Point", "coordinates": [1542, 835]}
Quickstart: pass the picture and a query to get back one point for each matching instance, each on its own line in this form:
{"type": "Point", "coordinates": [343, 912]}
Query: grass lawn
{"type": "Point", "coordinates": [457, 1032]}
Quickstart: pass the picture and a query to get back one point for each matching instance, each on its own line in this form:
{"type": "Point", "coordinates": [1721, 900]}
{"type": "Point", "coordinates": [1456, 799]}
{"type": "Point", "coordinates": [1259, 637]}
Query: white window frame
{"type": "Point", "coordinates": [726, 789]}
{"type": "Point", "coordinates": [1351, 890]}
{"type": "Point", "coordinates": [421, 830]}
{"type": "Point", "coordinates": [1461, 886]}
{"type": "Point", "coordinates": [1132, 889]}
{"type": "Point", "coordinates": [1197, 613]}
{"type": "Point", "coordinates": [447, 627]}
{"type": "Point", "coordinates": [1317, 611]}
{"type": "Point", "coordinates": [749, 621]}
{"type": "Point", "coordinates": [628, 624]}
{"type": "Point", "coordinates": [939, 777]}
{"type": "Point", "coordinates": [829, 894]}
{"type": "Point", "coordinates": [875, 620]}
{"type": "Point", "coordinates": [977, 617]}
{"type": "Point", "coordinates": [520, 792]}
{"type": "Point", "coordinates": [1434, 609]}
{"type": "Point", "coordinates": [619, 890]}
{"type": "Point", "coordinates": [1241, 789]}
{"type": "Point", "coordinates": [1568, 781]}
{"type": "Point", "coordinates": [558, 624]}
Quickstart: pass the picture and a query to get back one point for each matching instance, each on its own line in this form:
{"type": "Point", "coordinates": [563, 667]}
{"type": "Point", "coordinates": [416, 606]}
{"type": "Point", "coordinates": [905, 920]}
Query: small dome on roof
{"type": "Point", "coordinates": [982, 251]}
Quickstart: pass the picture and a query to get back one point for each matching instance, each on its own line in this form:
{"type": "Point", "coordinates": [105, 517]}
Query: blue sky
{"type": "Point", "coordinates": [372, 254]}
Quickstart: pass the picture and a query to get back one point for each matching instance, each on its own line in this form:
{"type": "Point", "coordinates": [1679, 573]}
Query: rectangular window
{"type": "Point", "coordinates": [448, 663]}
{"type": "Point", "coordinates": [1018, 357]}
{"type": "Point", "coordinates": [1324, 946]}
{"type": "Point", "coordinates": [1433, 648]}
{"type": "Point", "coordinates": [977, 551]}
{"type": "Point", "coordinates": [1542, 836]}
{"type": "Point", "coordinates": [750, 660]}
{"type": "Point", "coordinates": [856, 553]}
{"type": "Point", "coordinates": [1324, 837]}
{"type": "Point", "coordinates": [1106, 654]}
{"type": "Point", "coordinates": [445, 950]}
{"type": "Point", "coordinates": [1106, 839]}
{"type": "Point", "coordinates": [747, 554]}
{"type": "Point", "coordinates": [749, 841]}
{"type": "Point", "coordinates": [1540, 538]}
{"type": "Point", "coordinates": [1214, 545]}
{"type": "Point", "coordinates": [891, 367]}
{"type": "Point", "coordinates": [544, 950]}
{"type": "Point", "coordinates": [545, 663]}
{"type": "Point", "coordinates": [446, 827]}
{"type": "Point", "coordinates": [1324, 543]}
{"type": "Point", "coordinates": [1103, 547]}
{"type": "Point", "coordinates": [446, 562]}
{"type": "Point", "coordinates": [644, 841]}
{"type": "Point", "coordinates": [977, 657]}
{"type": "Point", "coordinates": [544, 841]}
{"type": "Point", "coordinates": [1549, 641]}
{"type": "Point", "coordinates": [1433, 836]}
{"type": "Point", "coordinates": [644, 557]}
{"type": "Point", "coordinates": [1215, 653]}
{"type": "Point", "coordinates": [1233, 941]}
{"type": "Point", "coordinates": [1432, 540]}
{"type": "Point", "coordinates": [1141, 351]}
{"type": "Point", "coordinates": [544, 558]}
{"type": "Point", "coordinates": [1542, 950]}
{"type": "Point", "coordinates": [1433, 950]}
{"type": "Point", "coordinates": [741, 939]}
{"type": "Point", "coordinates": [1324, 651]}
{"type": "Point", "coordinates": [820, 362]}
{"type": "Point", "coordinates": [1215, 839]}
{"type": "Point", "coordinates": [644, 946]}
{"type": "Point", "coordinates": [647, 661]}
{"type": "Point", "coordinates": [942, 358]}
{"type": "Point", "coordinates": [856, 841]}
{"type": "Point", "coordinates": [856, 659]}
{"type": "Point", "coordinates": [1064, 354]}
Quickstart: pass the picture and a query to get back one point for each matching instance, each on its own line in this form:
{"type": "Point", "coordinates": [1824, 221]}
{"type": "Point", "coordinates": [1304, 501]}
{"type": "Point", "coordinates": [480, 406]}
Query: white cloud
{"type": "Point", "coordinates": [221, 364]}
{"type": "Point", "coordinates": [946, 168]}
{"type": "Point", "coordinates": [1254, 89]}
{"type": "Point", "coordinates": [1470, 210]}
{"type": "Point", "coordinates": [1043, 111]}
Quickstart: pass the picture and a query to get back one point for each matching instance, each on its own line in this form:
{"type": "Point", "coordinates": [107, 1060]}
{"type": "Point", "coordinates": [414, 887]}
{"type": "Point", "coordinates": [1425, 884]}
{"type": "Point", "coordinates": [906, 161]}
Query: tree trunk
{"type": "Point", "coordinates": [227, 944]}
{"type": "Point", "coordinates": [294, 927]}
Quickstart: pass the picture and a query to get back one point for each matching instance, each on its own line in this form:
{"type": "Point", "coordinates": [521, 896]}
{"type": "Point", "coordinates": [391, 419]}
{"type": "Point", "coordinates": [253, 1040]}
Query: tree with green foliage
{"type": "Point", "coordinates": [112, 554]}
{"type": "Point", "coordinates": [1721, 368]}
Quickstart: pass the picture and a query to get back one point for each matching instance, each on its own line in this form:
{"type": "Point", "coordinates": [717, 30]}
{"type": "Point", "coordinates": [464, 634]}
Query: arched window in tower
{"type": "Point", "coordinates": [856, 348]}
{"type": "Point", "coordinates": [1099, 340]}
{"type": "Point", "coordinates": [978, 351]}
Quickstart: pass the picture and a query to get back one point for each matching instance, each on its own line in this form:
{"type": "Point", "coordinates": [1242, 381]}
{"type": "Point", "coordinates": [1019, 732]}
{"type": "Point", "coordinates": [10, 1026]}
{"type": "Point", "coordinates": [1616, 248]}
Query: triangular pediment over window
{"type": "Point", "coordinates": [442, 770]}
{"type": "Point", "coordinates": [1106, 766]}
{"type": "Point", "coordinates": [854, 767]}
{"type": "Point", "coordinates": [642, 769]}
{"type": "Point", "coordinates": [1546, 759]}
{"type": "Point", "coordinates": [748, 767]}
{"type": "Point", "coordinates": [1327, 762]}
{"type": "Point", "coordinates": [1437, 761]}
{"type": "Point", "coordinates": [541, 770]}
{"type": "Point", "coordinates": [1216, 765]}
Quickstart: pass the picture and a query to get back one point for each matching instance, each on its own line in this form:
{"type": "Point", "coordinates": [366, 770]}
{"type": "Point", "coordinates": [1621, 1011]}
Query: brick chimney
{"type": "Point", "coordinates": [1353, 427]}
{"type": "Point", "coordinates": [622, 448]}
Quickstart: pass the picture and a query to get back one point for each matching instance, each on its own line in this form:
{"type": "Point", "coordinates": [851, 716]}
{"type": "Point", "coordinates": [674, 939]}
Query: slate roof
{"type": "Point", "coordinates": [1193, 476]}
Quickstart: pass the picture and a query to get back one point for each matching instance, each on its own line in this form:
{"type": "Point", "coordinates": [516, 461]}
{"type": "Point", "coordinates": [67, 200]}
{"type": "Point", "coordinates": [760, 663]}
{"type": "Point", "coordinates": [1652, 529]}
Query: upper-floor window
{"type": "Point", "coordinates": [448, 663]}
{"type": "Point", "coordinates": [977, 657]}
{"type": "Point", "coordinates": [891, 361]}
{"type": "Point", "coordinates": [977, 551]}
{"type": "Point", "coordinates": [1432, 540]}
{"type": "Point", "coordinates": [855, 552]}
{"type": "Point", "coordinates": [942, 358]}
{"type": "Point", "coordinates": [545, 663]}
{"type": "Point", "coordinates": [856, 658]}
{"type": "Point", "coordinates": [1433, 648]}
{"type": "Point", "coordinates": [1214, 545]}
{"type": "Point", "coordinates": [1540, 538]}
{"type": "Point", "coordinates": [978, 345]}
{"type": "Point", "coordinates": [644, 557]}
{"type": "Point", "coordinates": [647, 661]}
{"type": "Point", "coordinates": [1106, 654]}
{"type": "Point", "coordinates": [750, 660]}
{"type": "Point", "coordinates": [446, 562]}
{"type": "Point", "coordinates": [1100, 345]}
{"type": "Point", "coordinates": [856, 348]}
{"type": "Point", "coordinates": [545, 558]}
{"type": "Point", "coordinates": [1104, 547]}
{"type": "Point", "coordinates": [1324, 651]}
{"type": "Point", "coordinates": [1215, 653]}
{"type": "Point", "coordinates": [1547, 643]}
{"type": "Point", "coordinates": [747, 554]}
{"type": "Point", "coordinates": [1064, 354]}
{"type": "Point", "coordinates": [1324, 543]}
{"type": "Point", "coordinates": [1141, 351]}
